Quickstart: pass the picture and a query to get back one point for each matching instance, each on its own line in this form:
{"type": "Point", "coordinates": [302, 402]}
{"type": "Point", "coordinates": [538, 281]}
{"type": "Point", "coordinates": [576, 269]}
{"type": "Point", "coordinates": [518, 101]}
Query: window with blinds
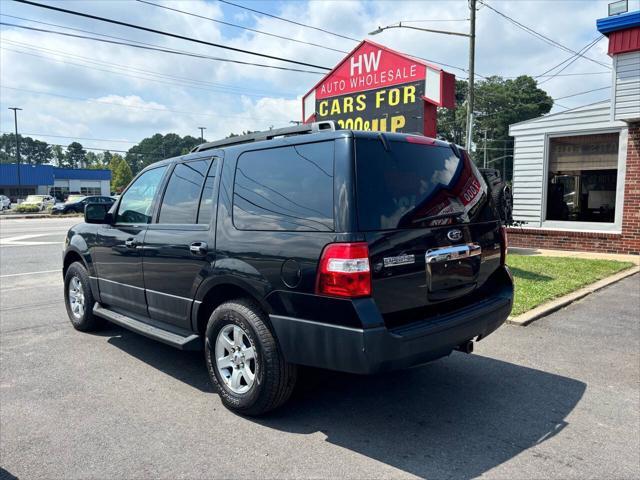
{"type": "Point", "coordinates": [583, 171]}
{"type": "Point", "coordinates": [583, 152]}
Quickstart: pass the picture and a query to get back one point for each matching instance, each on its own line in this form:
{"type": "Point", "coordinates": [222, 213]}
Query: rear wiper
{"type": "Point", "coordinates": [437, 217]}
{"type": "Point", "coordinates": [385, 142]}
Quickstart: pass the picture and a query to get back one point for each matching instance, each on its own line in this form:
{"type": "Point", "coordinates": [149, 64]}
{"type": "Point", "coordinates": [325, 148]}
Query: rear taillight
{"type": "Point", "coordinates": [344, 270]}
{"type": "Point", "coordinates": [504, 243]}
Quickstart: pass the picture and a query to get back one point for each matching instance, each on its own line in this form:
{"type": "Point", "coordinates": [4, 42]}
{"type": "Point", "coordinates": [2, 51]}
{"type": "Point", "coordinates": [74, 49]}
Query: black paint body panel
{"type": "Point", "coordinates": [163, 283]}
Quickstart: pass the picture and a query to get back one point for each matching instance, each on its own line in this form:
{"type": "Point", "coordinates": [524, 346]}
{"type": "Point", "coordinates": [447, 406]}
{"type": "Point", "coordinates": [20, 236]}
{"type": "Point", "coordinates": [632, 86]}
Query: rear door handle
{"type": "Point", "coordinates": [198, 248]}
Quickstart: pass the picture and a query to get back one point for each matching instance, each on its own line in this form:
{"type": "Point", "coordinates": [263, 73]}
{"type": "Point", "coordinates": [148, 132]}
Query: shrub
{"type": "Point", "coordinates": [26, 208]}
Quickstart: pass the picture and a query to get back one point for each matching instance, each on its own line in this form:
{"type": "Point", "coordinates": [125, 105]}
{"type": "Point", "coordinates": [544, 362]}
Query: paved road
{"type": "Point", "coordinates": [557, 399]}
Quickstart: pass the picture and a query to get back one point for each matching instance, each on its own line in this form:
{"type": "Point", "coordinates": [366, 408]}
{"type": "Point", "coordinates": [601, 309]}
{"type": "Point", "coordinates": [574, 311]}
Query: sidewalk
{"type": "Point", "coordinates": [565, 253]}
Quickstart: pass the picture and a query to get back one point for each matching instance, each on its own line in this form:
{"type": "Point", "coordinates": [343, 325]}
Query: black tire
{"type": "Point", "coordinates": [274, 378]}
{"type": "Point", "coordinates": [86, 321]}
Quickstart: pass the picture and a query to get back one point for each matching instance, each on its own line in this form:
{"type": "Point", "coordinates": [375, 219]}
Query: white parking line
{"type": "Point", "coordinates": [20, 240]}
{"type": "Point", "coordinates": [28, 273]}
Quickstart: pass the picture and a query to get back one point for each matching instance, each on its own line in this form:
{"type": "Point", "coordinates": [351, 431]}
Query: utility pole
{"type": "Point", "coordinates": [202, 129]}
{"type": "Point", "coordinates": [472, 56]}
{"type": "Point", "coordinates": [485, 148]}
{"type": "Point", "coordinates": [15, 120]}
{"type": "Point", "coordinates": [504, 162]}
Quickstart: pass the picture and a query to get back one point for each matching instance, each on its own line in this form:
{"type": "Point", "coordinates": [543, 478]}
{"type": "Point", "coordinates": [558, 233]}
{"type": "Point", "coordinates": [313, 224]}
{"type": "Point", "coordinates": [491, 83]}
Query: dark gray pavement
{"type": "Point", "coordinates": [557, 399]}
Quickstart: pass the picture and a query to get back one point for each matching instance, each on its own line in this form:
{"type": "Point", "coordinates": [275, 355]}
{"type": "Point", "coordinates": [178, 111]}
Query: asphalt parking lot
{"type": "Point", "coordinates": [557, 399]}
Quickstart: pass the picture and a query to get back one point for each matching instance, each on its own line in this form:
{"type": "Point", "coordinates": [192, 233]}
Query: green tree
{"type": "Point", "coordinates": [106, 158]}
{"type": "Point", "coordinates": [121, 173]}
{"type": "Point", "coordinates": [92, 160]}
{"type": "Point", "coordinates": [57, 155]}
{"type": "Point", "coordinates": [75, 155]}
{"type": "Point", "coordinates": [40, 153]}
{"type": "Point", "coordinates": [32, 151]}
{"type": "Point", "coordinates": [498, 104]}
{"type": "Point", "coordinates": [231, 135]}
{"type": "Point", "coordinates": [8, 148]}
{"type": "Point", "coordinates": [157, 147]}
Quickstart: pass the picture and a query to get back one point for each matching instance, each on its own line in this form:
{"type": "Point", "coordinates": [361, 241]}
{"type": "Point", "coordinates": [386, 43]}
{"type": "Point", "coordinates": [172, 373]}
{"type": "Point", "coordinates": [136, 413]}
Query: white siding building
{"type": "Point", "coordinates": [582, 139]}
{"type": "Point", "coordinates": [576, 174]}
{"type": "Point", "coordinates": [626, 86]}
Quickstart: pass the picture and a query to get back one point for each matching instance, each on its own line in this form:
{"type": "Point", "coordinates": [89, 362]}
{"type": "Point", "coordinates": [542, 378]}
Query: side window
{"type": "Point", "coordinates": [136, 203]}
{"type": "Point", "coordinates": [182, 196]}
{"type": "Point", "coordinates": [205, 212]}
{"type": "Point", "coordinates": [285, 188]}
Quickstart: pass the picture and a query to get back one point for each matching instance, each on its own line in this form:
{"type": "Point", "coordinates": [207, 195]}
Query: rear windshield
{"type": "Point", "coordinates": [414, 185]}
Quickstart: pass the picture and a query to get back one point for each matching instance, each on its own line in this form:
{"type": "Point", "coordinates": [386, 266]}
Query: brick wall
{"type": "Point", "coordinates": [626, 242]}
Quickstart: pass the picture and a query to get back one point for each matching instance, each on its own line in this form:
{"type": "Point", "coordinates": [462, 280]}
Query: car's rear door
{"type": "Point", "coordinates": [118, 251]}
{"type": "Point", "coordinates": [179, 247]}
{"type": "Point", "coordinates": [432, 231]}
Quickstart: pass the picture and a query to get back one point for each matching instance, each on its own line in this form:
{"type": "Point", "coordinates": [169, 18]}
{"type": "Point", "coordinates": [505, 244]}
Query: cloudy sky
{"type": "Point", "coordinates": [111, 96]}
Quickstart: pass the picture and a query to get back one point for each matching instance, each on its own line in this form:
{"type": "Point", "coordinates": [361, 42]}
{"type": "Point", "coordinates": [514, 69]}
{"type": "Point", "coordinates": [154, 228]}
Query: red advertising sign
{"type": "Point", "coordinates": [376, 88]}
{"type": "Point", "coordinates": [370, 67]}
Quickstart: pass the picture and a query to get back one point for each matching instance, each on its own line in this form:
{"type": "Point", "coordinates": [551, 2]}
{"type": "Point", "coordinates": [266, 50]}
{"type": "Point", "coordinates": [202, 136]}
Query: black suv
{"type": "Point", "coordinates": [346, 250]}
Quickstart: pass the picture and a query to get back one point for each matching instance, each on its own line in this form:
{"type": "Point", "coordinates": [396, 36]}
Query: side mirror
{"type": "Point", "coordinates": [97, 213]}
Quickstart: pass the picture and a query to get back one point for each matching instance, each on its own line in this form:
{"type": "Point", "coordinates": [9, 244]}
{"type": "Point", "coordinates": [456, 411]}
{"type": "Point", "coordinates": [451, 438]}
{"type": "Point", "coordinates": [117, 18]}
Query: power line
{"type": "Point", "coordinates": [190, 84]}
{"type": "Point", "coordinates": [570, 60]}
{"type": "Point", "coordinates": [158, 47]}
{"type": "Point", "coordinates": [577, 74]}
{"type": "Point", "coordinates": [338, 34]}
{"type": "Point", "coordinates": [204, 56]}
{"type": "Point", "coordinates": [554, 101]}
{"type": "Point", "coordinates": [169, 34]}
{"type": "Point", "coordinates": [90, 148]}
{"type": "Point", "coordinates": [540, 36]}
{"type": "Point", "coordinates": [79, 138]}
{"type": "Point", "coordinates": [582, 93]}
{"type": "Point", "coordinates": [241, 27]}
{"type": "Point", "coordinates": [164, 50]}
{"type": "Point", "coordinates": [290, 21]}
{"type": "Point", "coordinates": [59, 52]}
{"type": "Point", "coordinates": [437, 20]}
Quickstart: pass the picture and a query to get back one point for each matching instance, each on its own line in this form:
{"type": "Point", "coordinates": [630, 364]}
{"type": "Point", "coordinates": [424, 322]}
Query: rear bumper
{"type": "Point", "coordinates": [376, 349]}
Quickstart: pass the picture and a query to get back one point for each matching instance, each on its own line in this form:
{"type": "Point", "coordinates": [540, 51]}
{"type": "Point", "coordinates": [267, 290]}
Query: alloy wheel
{"type": "Point", "coordinates": [76, 297]}
{"type": "Point", "coordinates": [236, 358]}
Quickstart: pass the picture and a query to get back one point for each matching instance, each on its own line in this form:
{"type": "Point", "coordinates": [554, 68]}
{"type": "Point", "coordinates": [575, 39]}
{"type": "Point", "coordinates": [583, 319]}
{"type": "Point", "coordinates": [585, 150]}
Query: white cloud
{"type": "Point", "coordinates": [231, 98]}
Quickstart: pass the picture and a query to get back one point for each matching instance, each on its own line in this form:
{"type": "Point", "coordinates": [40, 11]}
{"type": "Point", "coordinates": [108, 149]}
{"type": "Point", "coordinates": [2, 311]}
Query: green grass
{"type": "Point", "coordinates": [539, 279]}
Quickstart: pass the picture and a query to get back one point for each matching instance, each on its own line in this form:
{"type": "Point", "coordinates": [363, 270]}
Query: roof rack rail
{"type": "Point", "coordinates": [268, 135]}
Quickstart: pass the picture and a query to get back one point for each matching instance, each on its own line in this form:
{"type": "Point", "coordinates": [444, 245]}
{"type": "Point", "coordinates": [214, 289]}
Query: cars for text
{"type": "Point", "coordinates": [353, 251]}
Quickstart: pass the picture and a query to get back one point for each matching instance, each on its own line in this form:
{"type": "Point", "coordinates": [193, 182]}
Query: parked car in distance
{"type": "Point", "coordinates": [76, 203]}
{"type": "Point", "coordinates": [5, 202]}
{"type": "Point", "coordinates": [353, 251]}
{"type": "Point", "coordinates": [41, 201]}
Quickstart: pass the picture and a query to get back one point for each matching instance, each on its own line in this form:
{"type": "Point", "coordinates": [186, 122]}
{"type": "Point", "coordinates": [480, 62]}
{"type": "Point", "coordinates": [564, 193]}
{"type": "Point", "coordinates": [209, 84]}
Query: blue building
{"type": "Point", "coordinates": [49, 180]}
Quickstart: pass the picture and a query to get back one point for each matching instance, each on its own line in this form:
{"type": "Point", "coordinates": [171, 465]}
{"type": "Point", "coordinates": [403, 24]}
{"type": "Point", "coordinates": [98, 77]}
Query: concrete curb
{"type": "Point", "coordinates": [35, 215]}
{"type": "Point", "coordinates": [554, 305]}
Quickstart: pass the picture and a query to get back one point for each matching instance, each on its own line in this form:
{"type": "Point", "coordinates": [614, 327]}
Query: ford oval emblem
{"type": "Point", "coordinates": [454, 235]}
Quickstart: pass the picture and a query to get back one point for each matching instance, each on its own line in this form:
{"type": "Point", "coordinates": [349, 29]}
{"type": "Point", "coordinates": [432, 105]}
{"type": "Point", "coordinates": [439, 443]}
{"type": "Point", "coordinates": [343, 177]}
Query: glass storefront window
{"type": "Point", "coordinates": [90, 190]}
{"type": "Point", "coordinates": [583, 171]}
{"type": "Point", "coordinates": [60, 193]}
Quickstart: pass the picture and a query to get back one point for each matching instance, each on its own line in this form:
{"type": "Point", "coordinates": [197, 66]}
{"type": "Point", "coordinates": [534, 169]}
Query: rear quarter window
{"type": "Point", "coordinates": [414, 181]}
{"type": "Point", "coordinates": [285, 188]}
